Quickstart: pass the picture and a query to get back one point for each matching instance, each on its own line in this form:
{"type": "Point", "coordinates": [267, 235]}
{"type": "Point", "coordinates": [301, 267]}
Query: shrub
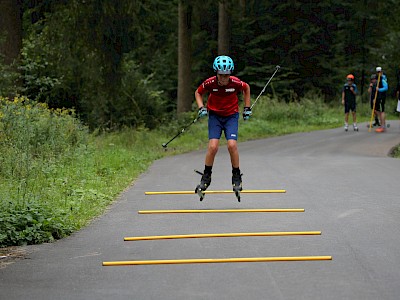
{"type": "Point", "coordinates": [35, 142]}
{"type": "Point", "coordinates": [30, 224]}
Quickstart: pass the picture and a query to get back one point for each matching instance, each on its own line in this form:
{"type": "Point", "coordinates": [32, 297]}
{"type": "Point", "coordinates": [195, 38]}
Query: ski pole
{"type": "Point", "coordinates": [263, 90]}
{"type": "Point", "coordinates": [180, 132]}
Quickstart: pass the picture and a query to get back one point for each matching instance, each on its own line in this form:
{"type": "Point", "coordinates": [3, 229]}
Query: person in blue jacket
{"type": "Point", "coordinates": [381, 99]}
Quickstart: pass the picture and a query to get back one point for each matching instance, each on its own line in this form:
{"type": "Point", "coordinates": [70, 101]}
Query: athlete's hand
{"type": "Point", "coordinates": [202, 112]}
{"type": "Point", "coordinates": [247, 113]}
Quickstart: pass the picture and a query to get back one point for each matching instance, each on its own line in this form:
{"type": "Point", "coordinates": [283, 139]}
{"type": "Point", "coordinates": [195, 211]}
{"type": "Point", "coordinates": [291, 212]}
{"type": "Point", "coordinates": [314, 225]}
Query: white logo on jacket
{"type": "Point", "coordinates": [229, 90]}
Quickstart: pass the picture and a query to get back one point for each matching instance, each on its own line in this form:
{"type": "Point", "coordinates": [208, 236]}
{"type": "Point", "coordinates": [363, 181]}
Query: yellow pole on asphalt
{"type": "Point", "coordinates": [214, 192]}
{"type": "Point", "coordinates": [215, 260]}
{"type": "Point", "coordinates": [214, 235]}
{"type": "Point", "coordinates": [185, 211]}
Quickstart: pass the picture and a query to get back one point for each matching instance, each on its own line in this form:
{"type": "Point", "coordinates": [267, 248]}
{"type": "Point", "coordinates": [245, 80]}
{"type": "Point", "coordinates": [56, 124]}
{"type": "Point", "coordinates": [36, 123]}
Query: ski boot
{"type": "Point", "coordinates": [346, 127]}
{"type": "Point", "coordinates": [237, 184]}
{"type": "Point", "coordinates": [204, 184]}
{"type": "Point", "coordinates": [380, 129]}
{"type": "Point", "coordinates": [376, 124]}
{"type": "Point", "coordinates": [355, 127]}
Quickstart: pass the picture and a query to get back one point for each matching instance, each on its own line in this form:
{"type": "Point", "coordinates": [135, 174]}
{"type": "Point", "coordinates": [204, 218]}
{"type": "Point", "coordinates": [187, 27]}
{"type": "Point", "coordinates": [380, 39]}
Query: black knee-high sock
{"type": "Point", "coordinates": [235, 170]}
{"type": "Point", "coordinates": [208, 169]}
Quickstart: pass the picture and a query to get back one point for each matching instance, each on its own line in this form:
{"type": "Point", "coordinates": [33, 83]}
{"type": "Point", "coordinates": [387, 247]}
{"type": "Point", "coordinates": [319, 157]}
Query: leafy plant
{"type": "Point", "coordinates": [31, 224]}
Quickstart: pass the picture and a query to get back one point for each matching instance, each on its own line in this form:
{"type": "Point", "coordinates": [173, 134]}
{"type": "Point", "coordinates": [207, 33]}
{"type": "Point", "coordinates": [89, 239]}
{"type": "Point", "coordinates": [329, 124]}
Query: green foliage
{"type": "Point", "coordinates": [121, 69]}
{"type": "Point", "coordinates": [309, 108]}
{"type": "Point", "coordinates": [54, 176]}
{"type": "Point", "coordinates": [396, 152]}
{"type": "Point", "coordinates": [31, 224]}
{"type": "Point", "coordinates": [31, 132]}
{"type": "Point", "coordinates": [39, 69]}
{"type": "Point", "coordinates": [35, 142]}
{"type": "Point", "coordinates": [101, 72]}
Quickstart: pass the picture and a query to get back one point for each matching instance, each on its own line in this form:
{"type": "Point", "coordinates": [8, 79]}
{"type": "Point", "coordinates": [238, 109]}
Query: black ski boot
{"type": "Point", "coordinates": [204, 184]}
{"type": "Point", "coordinates": [376, 124]}
{"type": "Point", "coordinates": [237, 184]}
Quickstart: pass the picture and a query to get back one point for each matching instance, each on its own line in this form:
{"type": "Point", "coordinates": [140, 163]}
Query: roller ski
{"type": "Point", "coordinates": [237, 184]}
{"type": "Point", "coordinates": [376, 124]}
{"type": "Point", "coordinates": [204, 184]}
{"type": "Point", "coordinates": [382, 128]}
{"type": "Point", "coordinates": [346, 127]}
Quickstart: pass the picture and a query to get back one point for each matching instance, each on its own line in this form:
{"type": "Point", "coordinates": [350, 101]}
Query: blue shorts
{"type": "Point", "coordinates": [229, 125]}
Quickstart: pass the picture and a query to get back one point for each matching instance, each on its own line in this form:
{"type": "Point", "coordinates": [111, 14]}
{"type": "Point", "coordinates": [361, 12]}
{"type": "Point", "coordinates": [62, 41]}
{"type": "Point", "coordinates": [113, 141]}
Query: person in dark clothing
{"type": "Point", "coordinates": [371, 92]}
{"type": "Point", "coordinates": [349, 93]}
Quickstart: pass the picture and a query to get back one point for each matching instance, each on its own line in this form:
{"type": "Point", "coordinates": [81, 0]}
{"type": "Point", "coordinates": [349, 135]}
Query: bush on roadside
{"type": "Point", "coordinates": [35, 142]}
{"type": "Point", "coordinates": [31, 224]}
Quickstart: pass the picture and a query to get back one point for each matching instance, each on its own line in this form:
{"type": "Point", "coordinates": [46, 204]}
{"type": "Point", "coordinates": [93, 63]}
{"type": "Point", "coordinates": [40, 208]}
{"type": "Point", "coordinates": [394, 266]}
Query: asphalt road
{"type": "Point", "coordinates": [345, 181]}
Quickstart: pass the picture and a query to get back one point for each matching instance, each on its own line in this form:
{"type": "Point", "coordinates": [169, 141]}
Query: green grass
{"type": "Point", "coordinates": [55, 177]}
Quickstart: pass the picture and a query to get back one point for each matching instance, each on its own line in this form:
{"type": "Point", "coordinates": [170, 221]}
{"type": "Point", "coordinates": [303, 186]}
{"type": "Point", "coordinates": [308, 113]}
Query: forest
{"type": "Point", "coordinates": [136, 64]}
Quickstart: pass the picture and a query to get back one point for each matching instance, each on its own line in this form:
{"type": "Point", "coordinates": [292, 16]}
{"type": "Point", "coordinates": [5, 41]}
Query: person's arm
{"type": "Point", "coordinates": [384, 87]}
{"type": "Point", "coordinates": [354, 90]}
{"type": "Point", "coordinates": [343, 97]}
{"type": "Point", "coordinates": [199, 98]}
{"type": "Point", "coordinates": [370, 88]}
{"type": "Point", "coordinates": [246, 95]}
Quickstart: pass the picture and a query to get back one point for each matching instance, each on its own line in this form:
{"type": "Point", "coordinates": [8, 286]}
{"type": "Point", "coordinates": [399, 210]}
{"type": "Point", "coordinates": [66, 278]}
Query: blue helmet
{"type": "Point", "coordinates": [223, 64]}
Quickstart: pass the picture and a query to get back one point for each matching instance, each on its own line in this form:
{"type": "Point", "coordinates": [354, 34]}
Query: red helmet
{"type": "Point", "coordinates": [350, 76]}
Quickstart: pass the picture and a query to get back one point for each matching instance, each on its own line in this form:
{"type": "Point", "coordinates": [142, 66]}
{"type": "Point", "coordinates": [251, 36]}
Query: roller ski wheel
{"type": "Point", "coordinates": [204, 184]}
{"type": "Point", "coordinates": [355, 128]}
{"type": "Point", "coordinates": [237, 194]}
{"type": "Point", "coordinates": [237, 185]}
{"type": "Point", "coordinates": [199, 192]}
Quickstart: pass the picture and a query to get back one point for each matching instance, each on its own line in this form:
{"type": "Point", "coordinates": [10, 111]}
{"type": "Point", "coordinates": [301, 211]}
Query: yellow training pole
{"type": "Point", "coordinates": [214, 192]}
{"type": "Point", "coordinates": [373, 108]}
{"type": "Point", "coordinates": [214, 235]}
{"type": "Point", "coordinates": [182, 211]}
{"type": "Point", "coordinates": [215, 260]}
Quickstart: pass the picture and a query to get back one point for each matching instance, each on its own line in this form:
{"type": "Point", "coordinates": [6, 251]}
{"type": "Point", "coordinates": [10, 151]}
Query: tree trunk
{"type": "Point", "coordinates": [185, 92]}
{"type": "Point", "coordinates": [243, 8]}
{"type": "Point", "coordinates": [10, 30]}
{"type": "Point", "coordinates": [223, 29]}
